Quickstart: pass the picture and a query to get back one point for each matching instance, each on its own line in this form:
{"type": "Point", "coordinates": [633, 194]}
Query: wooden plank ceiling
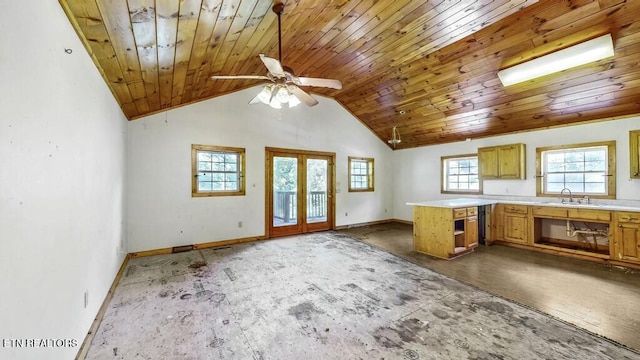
{"type": "Point", "coordinates": [428, 67]}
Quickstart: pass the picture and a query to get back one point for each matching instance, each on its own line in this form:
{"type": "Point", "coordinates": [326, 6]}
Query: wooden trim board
{"type": "Point", "coordinates": [84, 348]}
{"type": "Point", "coordinates": [171, 250]}
{"type": "Point", "coordinates": [369, 223]}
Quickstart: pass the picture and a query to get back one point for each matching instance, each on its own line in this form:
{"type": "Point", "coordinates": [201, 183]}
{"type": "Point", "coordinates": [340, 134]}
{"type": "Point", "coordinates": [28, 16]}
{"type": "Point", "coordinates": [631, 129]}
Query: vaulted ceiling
{"type": "Point", "coordinates": [428, 67]}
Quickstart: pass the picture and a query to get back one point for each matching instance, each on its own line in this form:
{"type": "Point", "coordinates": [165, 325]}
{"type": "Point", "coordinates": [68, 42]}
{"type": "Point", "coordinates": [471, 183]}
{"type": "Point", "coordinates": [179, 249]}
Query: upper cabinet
{"type": "Point", "coordinates": [502, 162]}
{"type": "Point", "coordinates": [634, 147]}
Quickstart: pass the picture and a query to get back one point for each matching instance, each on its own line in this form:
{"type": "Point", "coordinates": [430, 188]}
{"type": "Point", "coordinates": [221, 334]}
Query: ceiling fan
{"type": "Point", "coordinates": [284, 88]}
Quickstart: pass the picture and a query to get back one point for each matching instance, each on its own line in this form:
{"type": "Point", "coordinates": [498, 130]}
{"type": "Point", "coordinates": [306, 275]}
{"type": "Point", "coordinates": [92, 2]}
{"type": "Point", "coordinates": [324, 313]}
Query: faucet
{"type": "Point", "coordinates": [570, 196]}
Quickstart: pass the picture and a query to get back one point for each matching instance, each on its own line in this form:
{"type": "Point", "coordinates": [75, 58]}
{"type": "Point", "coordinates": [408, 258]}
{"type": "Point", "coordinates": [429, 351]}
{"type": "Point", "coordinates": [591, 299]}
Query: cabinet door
{"type": "Point", "coordinates": [510, 163]}
{"type": "Point", "coordinates": [488, 161]}
{"type": "Point", "coordinates": [628, 240]}
{"type": "Point", "coordinates": [471, 232]}
{"type": "Point", "coordinates": [515, 228]}
{"type": "Point", "coordinates": [634, 148]}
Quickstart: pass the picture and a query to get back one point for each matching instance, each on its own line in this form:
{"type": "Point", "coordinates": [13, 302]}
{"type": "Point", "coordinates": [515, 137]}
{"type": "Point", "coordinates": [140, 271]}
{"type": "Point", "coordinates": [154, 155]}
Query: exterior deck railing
{"type": "Point", "coordinates": [285, 205]}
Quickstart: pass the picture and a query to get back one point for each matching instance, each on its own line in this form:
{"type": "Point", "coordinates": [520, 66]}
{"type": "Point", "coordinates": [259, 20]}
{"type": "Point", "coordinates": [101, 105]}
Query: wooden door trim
{"type": "Point", "coordinates": [269, 152]}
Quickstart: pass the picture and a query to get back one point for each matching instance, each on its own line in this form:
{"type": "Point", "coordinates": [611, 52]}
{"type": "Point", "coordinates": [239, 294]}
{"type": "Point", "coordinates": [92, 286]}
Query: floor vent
{"type": "Point", "coordinates": [179, 249]}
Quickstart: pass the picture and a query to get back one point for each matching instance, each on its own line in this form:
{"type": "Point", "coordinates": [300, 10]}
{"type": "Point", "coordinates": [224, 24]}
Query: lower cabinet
{"type": "Point", "coordinates": [598, 234]}
{"type": "Point", "coordinates": [516, 223]}
{"type": "Point", "coordinates": [628, 237]}
{"type": "Point", "coordinates": [471, 232]}
{"type": "Point", "coordinates": [515, 228]}
{"type": "Point", "coordinates": [445, 232]}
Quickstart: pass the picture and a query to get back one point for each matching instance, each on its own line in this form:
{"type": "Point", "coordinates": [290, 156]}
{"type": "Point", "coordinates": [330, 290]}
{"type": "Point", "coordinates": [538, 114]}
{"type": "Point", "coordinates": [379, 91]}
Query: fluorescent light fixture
{"type": "Point", "coordinates": [576, 55]}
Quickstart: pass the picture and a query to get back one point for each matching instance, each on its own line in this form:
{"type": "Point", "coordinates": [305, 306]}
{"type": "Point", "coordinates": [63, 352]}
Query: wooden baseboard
{"type": "Point", "coordinates": [408, 222]}
{"type": "Point", "coordinates": [84, 348]}
{"type": "Point", "coordinates": [172, 250]}
{"type": "Point", "coordinates": [377, 222]}
{"type": "Point", "coordinates": [228, 242]}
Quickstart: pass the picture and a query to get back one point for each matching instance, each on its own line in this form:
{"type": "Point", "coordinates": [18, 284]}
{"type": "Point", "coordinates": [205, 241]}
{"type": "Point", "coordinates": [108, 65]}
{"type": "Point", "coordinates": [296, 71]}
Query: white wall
{"type": "Point", "coordinates": [162, 212]}
{"type": "Point", "coordinates": [417, 171]}
{"type": "Point", "coordinates": [62, 139]}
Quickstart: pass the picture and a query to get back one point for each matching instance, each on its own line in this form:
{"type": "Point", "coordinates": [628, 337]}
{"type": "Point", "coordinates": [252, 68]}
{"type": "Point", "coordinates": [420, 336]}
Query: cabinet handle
{"type": "Point", "coordinates": [619, 226]}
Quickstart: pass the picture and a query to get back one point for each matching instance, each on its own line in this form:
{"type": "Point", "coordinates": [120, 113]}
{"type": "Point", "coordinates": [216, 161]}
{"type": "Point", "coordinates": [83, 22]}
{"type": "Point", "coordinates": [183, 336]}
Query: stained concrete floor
{"type": "Point", "coordinates": [600, 298]}
{"type": "Point", "coordinates": [323, 296]}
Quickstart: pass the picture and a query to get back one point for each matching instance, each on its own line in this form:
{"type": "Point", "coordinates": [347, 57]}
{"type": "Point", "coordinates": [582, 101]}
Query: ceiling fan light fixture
{"type": "Point", "coordinates": [265, 95]}
{"type": "Point", "coordinates": [576, 55]}
{"type": "Point", "coordinates": [283, 94]}
{"type": "Point", "coordinates": [275, 104]}
{"type": "Point", "coordinates": [284, 88]}
{"type": "Point", "coordinates": [293, 101]}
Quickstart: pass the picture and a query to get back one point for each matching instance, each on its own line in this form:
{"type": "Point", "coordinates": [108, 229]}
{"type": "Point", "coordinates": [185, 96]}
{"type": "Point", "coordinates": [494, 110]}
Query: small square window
{"type": "Point", "coordinates": [460, 174]}
{"type": "Point", "coordinates": [217, 171]}
{"type": "Point", "coordinates": [360, 174]}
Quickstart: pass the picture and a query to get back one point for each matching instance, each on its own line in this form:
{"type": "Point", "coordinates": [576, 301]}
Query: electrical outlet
{"type": "Point", "coordinates": [385, 211]}
{"type": "Point", "coordinates": [86, 298]}
{"type": "Point", "coordinates": [239, 224]}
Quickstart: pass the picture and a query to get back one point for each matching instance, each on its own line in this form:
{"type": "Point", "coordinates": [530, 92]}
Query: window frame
{"type": "Point", "coordinates": [195, 149]}
{"type": "Point", "coordinates": [369, 175]}
{"type": "Point", "coordinates": [610, 169]}
{"type": "Point", "coordinates": [443, 175]}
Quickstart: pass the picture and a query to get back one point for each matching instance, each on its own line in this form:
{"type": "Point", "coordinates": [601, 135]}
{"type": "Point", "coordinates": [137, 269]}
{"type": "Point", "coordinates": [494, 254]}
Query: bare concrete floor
{"type": "Point", "coordinates": [599, 298]}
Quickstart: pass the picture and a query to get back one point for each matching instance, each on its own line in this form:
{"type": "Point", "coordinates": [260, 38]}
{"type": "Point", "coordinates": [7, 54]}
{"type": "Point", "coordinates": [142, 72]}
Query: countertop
{"type": "Point", "coordinates": [455, 203]}
{"type": "Point", "coordinates": [468, 202]}
{"type": "Point", "coordinates": [574, 205]}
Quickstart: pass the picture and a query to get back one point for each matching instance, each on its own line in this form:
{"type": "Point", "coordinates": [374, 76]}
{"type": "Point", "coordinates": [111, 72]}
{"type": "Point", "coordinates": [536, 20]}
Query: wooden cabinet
{"type": "Point", "coordinates": [516, 222]}
{"type": "Point", "coordinates": [502, 162]}
{"type": "Point", "coordinates": [634, 156]}
{"type": "Point", "coordinates": [497, 222]}
{"type": "Point", "coordinates": [542, 228]}
{"type": "Point", "coordinates": [488, 162]}
{"type": "Point", "coordinates": [444, 232]}
{"type": "Point", "coordinates": [471, 232]}
{"type": "Point", "coordinates": [628, 236]}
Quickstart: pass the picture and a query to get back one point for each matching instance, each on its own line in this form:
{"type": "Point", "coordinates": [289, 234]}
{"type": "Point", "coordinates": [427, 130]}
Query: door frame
{"type": "Point", "coordinates": [331, 186]}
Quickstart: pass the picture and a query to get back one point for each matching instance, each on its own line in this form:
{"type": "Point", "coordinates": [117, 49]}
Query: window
{"type": "Point", "coordinates": [584, 169]}
{"type": "Point", "coordinates": [460, 174]}
{"type": "Point", "coordinates": [217, 171]}
{"type": "Point", "coordinates": [360, 174]}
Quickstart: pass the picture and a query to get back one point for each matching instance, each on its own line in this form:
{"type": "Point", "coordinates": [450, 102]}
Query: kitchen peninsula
{"type": "Point", "coordinates": [446, 228]}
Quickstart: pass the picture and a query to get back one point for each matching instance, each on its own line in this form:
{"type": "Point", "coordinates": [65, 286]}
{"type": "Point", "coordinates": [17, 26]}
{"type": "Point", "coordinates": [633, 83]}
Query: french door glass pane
{"type": "Point", "coordinates": [285, 187]}
{"type": "Point", "coordinates": [317, 190]}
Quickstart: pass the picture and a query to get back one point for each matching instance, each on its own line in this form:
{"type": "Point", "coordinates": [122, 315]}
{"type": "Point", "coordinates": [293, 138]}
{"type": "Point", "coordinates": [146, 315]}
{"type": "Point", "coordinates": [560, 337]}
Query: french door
{"type": "Point", "coordinates": [299, 192]}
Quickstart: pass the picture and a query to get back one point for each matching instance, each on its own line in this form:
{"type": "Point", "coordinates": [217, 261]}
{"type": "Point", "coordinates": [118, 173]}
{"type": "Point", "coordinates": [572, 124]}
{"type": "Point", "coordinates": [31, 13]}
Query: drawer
{"type": "Point", "coordinates": [549, 211]}
{"type": "Point", "coordinates": [628, 217]}
{"type": "Point", "coordinates": [519, 209]}
{"type": "Point", "coordinates": [588, 214]}
{"type": "Point", "coordinates": [459, 213]}
{"type": "Point", "coordinates": [472, 211]}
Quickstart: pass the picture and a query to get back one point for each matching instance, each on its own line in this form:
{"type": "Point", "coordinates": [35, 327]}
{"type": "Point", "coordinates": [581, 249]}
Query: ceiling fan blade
{"type": "Point", "coordinates": [328, 83]}
{"type": "Point", "coordinates": [303, 96]}
{"type": "Point", "coordinates": [230, 77]}
{"type": "Point", "coordinates": [273, 65]}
